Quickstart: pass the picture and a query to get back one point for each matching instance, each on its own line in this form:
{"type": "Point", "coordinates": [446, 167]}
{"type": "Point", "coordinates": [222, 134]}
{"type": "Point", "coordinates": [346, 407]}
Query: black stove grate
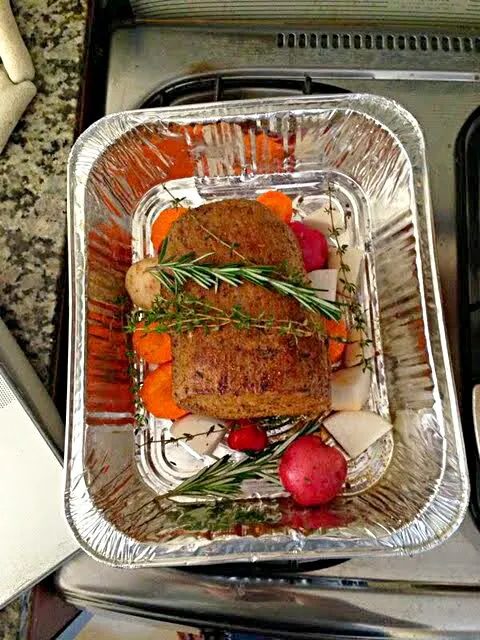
{"type": "Point", "coordinates": [216, 87]}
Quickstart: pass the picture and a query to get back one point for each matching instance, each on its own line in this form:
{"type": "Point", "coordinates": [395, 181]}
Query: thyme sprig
{"type": "Point", "coordinates": [134, 369]}
{"type": "Point", "coordinates": [134, 374]}
{"type": "Point", "coordinates": [353, 307]}
{"type": "Point", "coordinates": [175, 202]}
{"type": "Point", "coordinates": [232, 247]}
{"type": "Point", "coordinates": [224, 478]}
{"type": "Point", "coordinates": [184, 312]}
{"type": "Point", "coordinates": [186, 437]}
{"type": "Point", "coordinates": [175, 271]}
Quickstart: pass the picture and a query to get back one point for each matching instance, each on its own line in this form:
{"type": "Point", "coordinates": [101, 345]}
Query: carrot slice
{"type": "Point", "coordinates": [162, 224]}
{"type": "Point", "coordinates": [153, 347]}
{"type": "Point", "coordinates": [279, 203]}
{"type": "Point", "coordinates": [157, 394]}
{"type": "Point", "coordinates": [335, 330]}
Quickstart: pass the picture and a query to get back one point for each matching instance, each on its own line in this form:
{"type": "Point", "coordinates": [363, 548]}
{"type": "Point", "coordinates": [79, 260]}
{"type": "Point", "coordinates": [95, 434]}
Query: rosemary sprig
{"type": "Point", "coordinates": [350, 293]}
{"type": "Point", "coordinates": [184, 312]}
{"type": "Point", "coordinates": [173, 273]}
{"type": "Point", "coordinates": [224, 478]}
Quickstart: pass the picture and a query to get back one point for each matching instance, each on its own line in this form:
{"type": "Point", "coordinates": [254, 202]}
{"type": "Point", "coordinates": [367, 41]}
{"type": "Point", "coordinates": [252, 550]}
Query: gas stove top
{"type": "Point", "coordinates": [434, 75]}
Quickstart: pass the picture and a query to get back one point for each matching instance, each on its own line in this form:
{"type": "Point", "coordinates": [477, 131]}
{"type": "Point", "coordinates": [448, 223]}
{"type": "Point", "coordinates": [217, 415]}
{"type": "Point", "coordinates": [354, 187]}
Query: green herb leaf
{"type": "Point", "coordinates": [183, 312]}
{"type": "Point", "coordinates": [174, 272]}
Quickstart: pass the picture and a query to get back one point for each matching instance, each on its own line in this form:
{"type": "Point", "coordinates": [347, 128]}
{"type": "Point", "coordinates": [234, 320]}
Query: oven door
{"type": "Point", "coordinates": [434, 595]}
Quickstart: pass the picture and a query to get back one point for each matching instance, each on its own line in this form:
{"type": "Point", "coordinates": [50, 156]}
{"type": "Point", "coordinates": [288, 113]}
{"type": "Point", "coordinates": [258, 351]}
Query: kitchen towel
{"type": "Point", "coordinates": [16, 74]}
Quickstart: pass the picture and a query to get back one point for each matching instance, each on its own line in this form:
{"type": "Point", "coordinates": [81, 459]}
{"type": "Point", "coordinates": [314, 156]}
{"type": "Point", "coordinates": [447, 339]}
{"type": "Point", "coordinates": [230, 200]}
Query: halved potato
{"type": "Point", "coordinates": [355, 431]}
{"type": "Point", "coordinates": [350, 388]}
{"type": "Point", "coordinates": [141, 286]}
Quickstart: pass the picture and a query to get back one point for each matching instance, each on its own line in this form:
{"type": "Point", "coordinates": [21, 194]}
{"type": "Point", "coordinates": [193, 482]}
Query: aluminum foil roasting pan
{"type": "Point", "coordinates": [410, 490]}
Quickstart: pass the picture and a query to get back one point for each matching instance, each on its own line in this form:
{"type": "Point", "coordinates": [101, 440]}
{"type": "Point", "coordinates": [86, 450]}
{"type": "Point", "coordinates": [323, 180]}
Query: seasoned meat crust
{"type": "Point", "coordinates": [237, 373]}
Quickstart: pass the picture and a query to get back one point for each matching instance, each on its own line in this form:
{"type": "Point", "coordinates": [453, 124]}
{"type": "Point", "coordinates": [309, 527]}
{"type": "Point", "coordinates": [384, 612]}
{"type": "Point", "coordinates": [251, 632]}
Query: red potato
{"type": "Point", "coordinates": [312, 472]}
{"type": "Point", "coordinates": [313, 244]}
{"type": "Point", "coordinates": [249, 437]}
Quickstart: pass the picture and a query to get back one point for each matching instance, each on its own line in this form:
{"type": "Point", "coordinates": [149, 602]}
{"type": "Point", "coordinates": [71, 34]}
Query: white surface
{"type": "Point", "coordinates": [34, 538]}
{"type": "Point", "coordinates": [456, 561]}
{"type": "Point", "coordinates": [418, 610]}
{"type": "Point", "coordinates": [13, 52]}
{"type": "Point", "coordinates": [14, 99]}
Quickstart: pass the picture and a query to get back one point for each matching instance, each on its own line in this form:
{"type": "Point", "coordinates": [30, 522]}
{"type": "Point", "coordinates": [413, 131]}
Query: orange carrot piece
{"type": "Point", "coordinates": [153, 347]}
{"type": "Point", "coordinates": [279, 203]}
{"type": "Point", "coordinates": [162, 224]}
{"type": "Point", "coordinates": [335, 330]}
{"type": "Point", "coordinates": [157, 394]}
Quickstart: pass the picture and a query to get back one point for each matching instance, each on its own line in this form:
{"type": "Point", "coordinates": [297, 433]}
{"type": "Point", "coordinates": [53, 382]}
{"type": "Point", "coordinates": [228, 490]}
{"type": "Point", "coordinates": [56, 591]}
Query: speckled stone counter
{"type": "Point", "coordinates": [10, 621]}
{"type": "Point", "coordinates": [33, 189]}
{"type": "Point", "coordinates": [33, 176]}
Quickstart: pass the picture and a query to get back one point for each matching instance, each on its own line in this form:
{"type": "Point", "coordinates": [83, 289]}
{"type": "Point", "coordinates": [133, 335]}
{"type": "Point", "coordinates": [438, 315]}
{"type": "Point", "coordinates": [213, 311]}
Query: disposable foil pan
{"type": "Point", "coordinates": [367, 155]}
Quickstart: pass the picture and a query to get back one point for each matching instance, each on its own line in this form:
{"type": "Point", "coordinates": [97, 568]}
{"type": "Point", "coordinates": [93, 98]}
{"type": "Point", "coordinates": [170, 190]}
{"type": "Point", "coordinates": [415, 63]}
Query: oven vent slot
{"type": "Point", "coordinates": [378, 41]}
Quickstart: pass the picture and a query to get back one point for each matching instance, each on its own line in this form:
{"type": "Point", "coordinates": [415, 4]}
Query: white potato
{"type": "Point", "coordinates": [141, 286]}
{"type": "Point", "coordinates": [325, 279]}
{"type": "Point", "coordinates": [320, 219]}
{"type": "Point", "coordinates": [353, 258]}
{"type": "Point", "coordinates": [350, 388]}
{"type": "Point", "coordinates": [355, 431]}
{"type": "Point", "coordinates": [333, 258]}
{"type": "Point", "coordinates": [353, 350]}
{"type": "Point", "coordinates": [198, 426]}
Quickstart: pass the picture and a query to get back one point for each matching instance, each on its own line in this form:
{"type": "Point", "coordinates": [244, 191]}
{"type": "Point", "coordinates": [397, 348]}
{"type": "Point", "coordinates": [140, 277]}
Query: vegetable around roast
{"type": "Point", "coordinates": [311, 471]}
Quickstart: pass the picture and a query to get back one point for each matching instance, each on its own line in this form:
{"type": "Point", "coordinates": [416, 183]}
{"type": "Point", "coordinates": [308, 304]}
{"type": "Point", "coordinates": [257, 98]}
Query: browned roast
{"type": "Point", "coordinates": [238, 373]}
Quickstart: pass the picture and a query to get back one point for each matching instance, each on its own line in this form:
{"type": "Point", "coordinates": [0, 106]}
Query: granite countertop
{"type": "Point", "coordinates": [33, 176]}
{"type": "Point", "coordinates": [33, 189]}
